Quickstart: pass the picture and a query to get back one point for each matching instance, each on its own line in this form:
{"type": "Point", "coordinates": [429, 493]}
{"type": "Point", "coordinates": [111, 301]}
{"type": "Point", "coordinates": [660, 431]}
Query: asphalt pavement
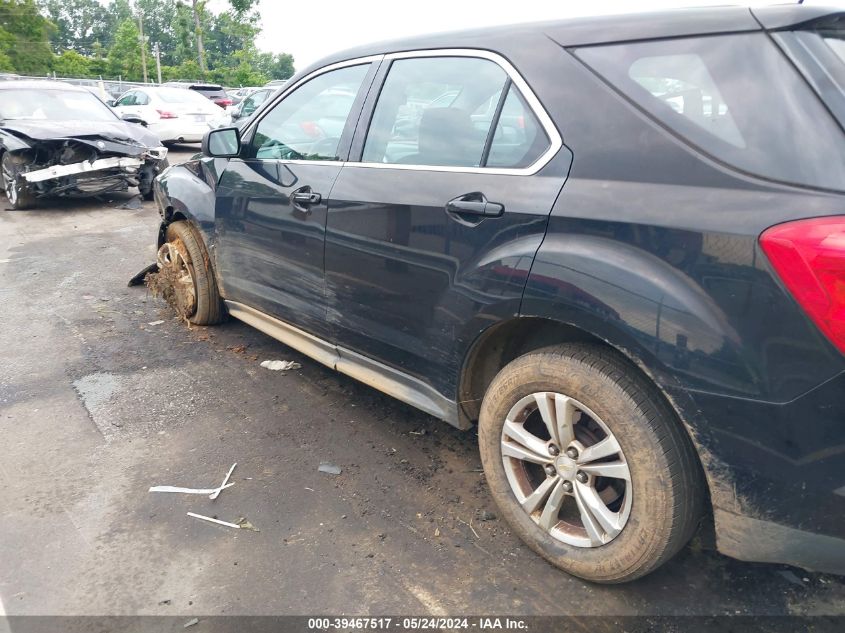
{"type": "Point", "coordinates": [103, 393]}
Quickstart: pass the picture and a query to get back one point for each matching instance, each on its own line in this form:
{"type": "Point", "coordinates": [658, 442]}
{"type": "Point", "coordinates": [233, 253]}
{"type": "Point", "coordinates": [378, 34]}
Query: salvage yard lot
{"type": "Point", "coordinates": [98, 402]}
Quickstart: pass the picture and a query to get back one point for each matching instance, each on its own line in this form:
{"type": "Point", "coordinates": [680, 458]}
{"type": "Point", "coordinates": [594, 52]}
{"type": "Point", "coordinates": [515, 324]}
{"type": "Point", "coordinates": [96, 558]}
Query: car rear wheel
{"type": "Point", "coordinates": [17, 194]}
{"type": "Point", "coordinates": [186, 277]}
{"type": "Point", "coordinates": [587, 464]}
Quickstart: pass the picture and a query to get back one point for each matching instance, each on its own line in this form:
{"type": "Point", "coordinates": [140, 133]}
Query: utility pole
{"type": "Point", "coordinates": [158, 61]}
{"type": "Point", "coordinates": [143, 45]}
{"type": "Point", "coordinates": [198, 33]}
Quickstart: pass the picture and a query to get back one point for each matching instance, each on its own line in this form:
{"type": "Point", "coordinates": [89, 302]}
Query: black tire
{"type": "Point", "coordinates": [209, 306]}
{"type": "Point", "coordinates": [145, 188]}
{"type": "Point", "coordinates": [17, 194]}
{"type": "Point", "coordinates": [666, 481]}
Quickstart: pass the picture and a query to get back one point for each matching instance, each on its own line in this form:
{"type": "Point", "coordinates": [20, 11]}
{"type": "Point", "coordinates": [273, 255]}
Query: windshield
{"type": "Point", "coordinates": [53, 105]}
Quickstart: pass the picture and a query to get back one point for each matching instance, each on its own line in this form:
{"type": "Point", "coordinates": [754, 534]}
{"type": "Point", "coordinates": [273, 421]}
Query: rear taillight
{"type": "Point", "coordinates": [223, 103]}
{"type": "Point", "coordinates": [809, 257]}
{"type": "Point", "coordinates": [164, 114]}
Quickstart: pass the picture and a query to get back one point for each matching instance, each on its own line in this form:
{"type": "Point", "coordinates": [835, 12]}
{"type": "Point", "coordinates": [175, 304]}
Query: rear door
{"type": "Point", "coordinates": [272, 202]}
{"type": "Point", "coordinates": [435, 220]}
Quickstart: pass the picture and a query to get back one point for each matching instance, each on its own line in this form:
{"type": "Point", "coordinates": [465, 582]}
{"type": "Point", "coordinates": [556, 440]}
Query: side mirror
{"type": "Point", "coordinates": [224, 142]}
{"type": "Point", "coordinates": [133, 118]}
{"type": "Point", "coordinates": [112, 103]}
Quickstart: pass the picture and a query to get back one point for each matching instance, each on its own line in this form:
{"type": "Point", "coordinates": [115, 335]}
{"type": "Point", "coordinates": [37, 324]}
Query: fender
{"type": "Point", "coordinates": [188, 191]}
{"type": "Point", "coordinates": [12, 143]}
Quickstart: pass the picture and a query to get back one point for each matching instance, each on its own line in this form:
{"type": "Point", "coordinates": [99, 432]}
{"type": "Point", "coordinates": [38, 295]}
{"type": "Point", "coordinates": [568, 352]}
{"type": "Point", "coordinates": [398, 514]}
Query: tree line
{"type": "Point", "coordinates": [87, 38]}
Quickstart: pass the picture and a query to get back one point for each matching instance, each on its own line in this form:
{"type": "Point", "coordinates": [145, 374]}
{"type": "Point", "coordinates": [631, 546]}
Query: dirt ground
{"type": "Point", "coordinates": [103, 393]}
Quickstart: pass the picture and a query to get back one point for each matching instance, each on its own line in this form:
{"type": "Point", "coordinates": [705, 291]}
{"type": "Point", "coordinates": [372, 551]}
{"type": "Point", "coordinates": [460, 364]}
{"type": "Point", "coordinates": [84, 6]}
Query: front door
{"type": "Point", "coordinates": [272, 201]}
{"type": "Point", "coordinates": [434, 229]}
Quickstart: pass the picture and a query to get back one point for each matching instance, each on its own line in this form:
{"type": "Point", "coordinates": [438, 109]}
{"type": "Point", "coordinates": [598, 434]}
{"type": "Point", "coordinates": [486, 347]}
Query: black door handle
{"type": "Point", "coordinates": [475, 204]}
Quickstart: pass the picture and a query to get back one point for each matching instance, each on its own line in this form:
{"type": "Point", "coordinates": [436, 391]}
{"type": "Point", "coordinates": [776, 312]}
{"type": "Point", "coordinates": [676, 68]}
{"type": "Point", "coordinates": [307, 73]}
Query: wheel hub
{"type": "Point", "coordinates": [566, 469]}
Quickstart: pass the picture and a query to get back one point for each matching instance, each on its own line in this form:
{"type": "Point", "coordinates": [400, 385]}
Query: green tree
{"type": "Point", "coordinates": [75, 23]}
{"type": "Point", "coordinates": [72, 64]}
{"type": "Point", "coordinates": [124, 58]}
{"type": "Point", "coordinates": [242, 7]}
{"type": "Point", "coordinates": [275, 66]}
{"type": "Point", "coordinates": [227, 35]}
{"type": "Point", "coordinates": [25, 37]}
{"type": "Point", "coordinates": [98, 63]}
{"type": "Point", "coordinates": [6, 65]}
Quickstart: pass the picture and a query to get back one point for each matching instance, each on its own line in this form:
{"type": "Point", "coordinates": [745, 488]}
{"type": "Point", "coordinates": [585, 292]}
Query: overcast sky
{"type": "Point", "coordinates": [310, 30]}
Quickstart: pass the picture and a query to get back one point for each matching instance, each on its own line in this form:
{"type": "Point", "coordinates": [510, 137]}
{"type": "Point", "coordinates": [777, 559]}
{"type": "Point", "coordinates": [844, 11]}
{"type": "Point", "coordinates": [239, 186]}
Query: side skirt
{"type": "Point", "coordinates": [394, 383]}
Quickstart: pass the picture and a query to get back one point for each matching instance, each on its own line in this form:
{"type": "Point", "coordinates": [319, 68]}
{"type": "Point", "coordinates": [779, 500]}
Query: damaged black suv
{"type": "Point", "coordinates": [57, 139]}
{"type": "Point", "coordinates": [616, 244]}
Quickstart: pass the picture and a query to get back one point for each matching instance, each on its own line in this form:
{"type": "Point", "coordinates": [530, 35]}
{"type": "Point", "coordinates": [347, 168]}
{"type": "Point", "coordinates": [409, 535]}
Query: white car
{"type": "Point", "coordinates": [174, 114]}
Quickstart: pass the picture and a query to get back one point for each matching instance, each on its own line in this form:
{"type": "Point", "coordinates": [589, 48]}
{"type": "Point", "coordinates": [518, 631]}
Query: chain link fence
{"type": "Point", "coordinates": [104, 88]}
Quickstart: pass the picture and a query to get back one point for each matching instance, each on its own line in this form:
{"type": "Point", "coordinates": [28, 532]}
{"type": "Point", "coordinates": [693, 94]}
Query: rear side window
{"type": "Point", "coordinates": [440, 111]}
{"type": "Point", "coordinates": [736, 97]}
{"type": "Point", "coordinates": [519, 140]}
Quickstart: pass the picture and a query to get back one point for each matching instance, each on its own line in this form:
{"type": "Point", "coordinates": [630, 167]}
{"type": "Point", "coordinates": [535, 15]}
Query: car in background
{"type": "Point", "coordinates": [239, 94]}
{"type": "Point", "coordinates": [618, 248]}
{"type": "Point", "coordinates": [240, 113]}
{"type": "Point", "coordinates": [174, 114]}
{"type": "Point", "coordinates": [57, 139]}
{"type": "Point", "coordinates": [213, 92]}
{"type": "Point", "coordinates": [276, 83]}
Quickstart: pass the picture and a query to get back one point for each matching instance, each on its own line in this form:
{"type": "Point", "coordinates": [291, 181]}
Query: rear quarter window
{"type": "Point", "coordinates": [736, 97]}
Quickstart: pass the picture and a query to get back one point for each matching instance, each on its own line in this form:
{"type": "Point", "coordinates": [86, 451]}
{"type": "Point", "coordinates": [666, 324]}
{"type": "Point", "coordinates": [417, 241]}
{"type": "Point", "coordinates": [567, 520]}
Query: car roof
{"type": "Point", "coordinates": [191, 84]}
{"type": "Point", "coordinates": [36, 84]}
{"type": "Point", "coordinates": [602, 29]}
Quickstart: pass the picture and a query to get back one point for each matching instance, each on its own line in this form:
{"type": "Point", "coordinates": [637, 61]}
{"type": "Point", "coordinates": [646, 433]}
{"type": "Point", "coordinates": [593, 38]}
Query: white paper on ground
{"type": "Point", "coordinates": [190, 491]}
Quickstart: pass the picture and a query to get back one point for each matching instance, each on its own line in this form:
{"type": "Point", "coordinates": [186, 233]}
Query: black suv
{"type": "Point", "coordinates": [617, 244]}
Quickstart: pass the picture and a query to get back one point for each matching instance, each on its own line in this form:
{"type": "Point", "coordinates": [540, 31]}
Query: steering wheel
{"type": "Point", "coordinates": [326, 147]}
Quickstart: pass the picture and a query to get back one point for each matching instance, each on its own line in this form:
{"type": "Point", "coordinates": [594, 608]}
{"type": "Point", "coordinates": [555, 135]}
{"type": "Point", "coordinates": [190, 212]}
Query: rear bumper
{"type": "Point", "coordinates": [766, 542]}
{"type": "Point", "coordinates": [175, 130]}
{"type": "Point", "coordinates": [776, 473]}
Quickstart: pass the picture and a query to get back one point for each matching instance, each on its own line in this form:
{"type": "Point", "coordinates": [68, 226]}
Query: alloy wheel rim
{"type": "Point", "coordinates": [566, 469]}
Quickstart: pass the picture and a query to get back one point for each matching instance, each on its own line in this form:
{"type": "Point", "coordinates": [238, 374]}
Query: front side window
{"type": "Point", "coordinates": [308, 123]}
{"type": "Point", "coordinates": [129, 99]}
{"type": "Point", "coordinates": [736, 97]}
